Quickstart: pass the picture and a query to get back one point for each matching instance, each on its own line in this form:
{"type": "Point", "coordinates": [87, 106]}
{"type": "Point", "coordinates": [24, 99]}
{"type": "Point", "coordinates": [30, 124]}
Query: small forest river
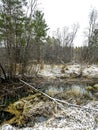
{"type": "Point", "coordinates": [22, 106]}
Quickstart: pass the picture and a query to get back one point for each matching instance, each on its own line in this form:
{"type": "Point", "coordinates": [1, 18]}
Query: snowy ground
{"type": "Point", "coordinates": [66, 71]}
{"type": "Point", "coordinates": [72, 118]}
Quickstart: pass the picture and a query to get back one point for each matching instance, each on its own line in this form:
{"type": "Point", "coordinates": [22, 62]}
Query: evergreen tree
{"type": "Point", "coordinates": [40, 30]}
{"type": "Point", "coordinates": [18, 30]}
{"type": "Point", "coordinates": [12, 30]}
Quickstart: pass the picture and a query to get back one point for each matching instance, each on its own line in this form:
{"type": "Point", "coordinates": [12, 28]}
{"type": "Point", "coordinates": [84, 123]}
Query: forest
{"type": "Point", "coordinates": [24, 39]}
{"type": "Point", "coordinates": [46, 80]}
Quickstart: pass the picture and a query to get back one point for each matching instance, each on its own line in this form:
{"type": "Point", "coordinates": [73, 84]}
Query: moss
{"type": "Point", "coordinates": [16, 109]}
{"type": "Point", "coordinates": [21, 109]}
{"type": "Point", "coordinates": [89, 88]}
{"type": "Point", "coordinates": [92, 88]}
{"type": "Point", "coordinates": [13, 110]}
{"type": "Point", "coordinates": [31, 97]}
{"type": "Point", "coordinates": [95, 87]}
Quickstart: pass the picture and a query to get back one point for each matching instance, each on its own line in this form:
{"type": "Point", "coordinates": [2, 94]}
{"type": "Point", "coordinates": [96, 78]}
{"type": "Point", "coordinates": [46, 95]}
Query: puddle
{"type": "Point", "coordinates": [41, 119]}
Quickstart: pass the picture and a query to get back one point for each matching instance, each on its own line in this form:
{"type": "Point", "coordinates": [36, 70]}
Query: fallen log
{"type": "Point", "coordinates": [43, 94]}
{"type": "Point", "coordinates": [58, 101]}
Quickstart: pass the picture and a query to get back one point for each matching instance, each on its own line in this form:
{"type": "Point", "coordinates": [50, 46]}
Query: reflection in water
{"type": "Point", "coordinates": [78, 89]}
{"type": "Point", "coordinates": [54, 89]}
{"type": "Point", "coordinates": [41, 118]}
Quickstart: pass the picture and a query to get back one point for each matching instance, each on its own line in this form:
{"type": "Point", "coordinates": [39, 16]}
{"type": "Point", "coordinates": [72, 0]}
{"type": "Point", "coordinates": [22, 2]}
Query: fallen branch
{"type": "Point", "coordinates": [57, 101]}
{"type": "Point", "coordinates": [74, 105]}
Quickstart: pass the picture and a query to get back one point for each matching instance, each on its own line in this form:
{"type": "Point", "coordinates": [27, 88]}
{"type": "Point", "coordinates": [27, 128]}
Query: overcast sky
{"type": "Point", "coordinates": [60, 13]}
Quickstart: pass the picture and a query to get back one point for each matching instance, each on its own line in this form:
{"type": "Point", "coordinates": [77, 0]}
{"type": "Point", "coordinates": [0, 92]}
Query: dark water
{"type": "Point", "coordinates": [54, 88]}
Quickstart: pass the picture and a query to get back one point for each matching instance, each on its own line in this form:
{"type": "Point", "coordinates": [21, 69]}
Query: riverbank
{"type": "Point", "coordinates": [31, 110]}
{"type": "Point", "coordinates": [74, 111]}
{"type": "Point", "coordinates": [63, 71]}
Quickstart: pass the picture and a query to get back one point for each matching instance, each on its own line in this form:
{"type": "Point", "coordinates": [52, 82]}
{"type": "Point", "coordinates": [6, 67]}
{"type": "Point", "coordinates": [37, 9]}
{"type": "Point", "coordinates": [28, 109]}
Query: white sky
{"type": "Point", "coordinates": [60, 13]}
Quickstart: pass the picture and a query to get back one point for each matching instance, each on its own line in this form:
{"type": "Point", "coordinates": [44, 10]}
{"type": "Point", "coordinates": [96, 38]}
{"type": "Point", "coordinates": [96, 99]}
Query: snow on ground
{"type": "Point", "coordinates": [56, 71]}
{"type": "Point", "coordinates": [89, 71]}
{"type": "Point", "coordinates": [72, 118]}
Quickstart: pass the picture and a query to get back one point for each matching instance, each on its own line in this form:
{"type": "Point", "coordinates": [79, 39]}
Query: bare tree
{"type": "Point", "coordinates": [92, 24]}
{"type": "Point", "coordinates": [66, 38]}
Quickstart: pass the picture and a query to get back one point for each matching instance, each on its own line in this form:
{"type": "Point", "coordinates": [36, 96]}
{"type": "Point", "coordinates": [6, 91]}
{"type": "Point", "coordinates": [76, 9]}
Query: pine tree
{"type": "Point", "coordinates": [18, 30]}
{"type": "Point", "coordinates": [12, 30]}
{"type": "Point", "coordinates": [40, 30]}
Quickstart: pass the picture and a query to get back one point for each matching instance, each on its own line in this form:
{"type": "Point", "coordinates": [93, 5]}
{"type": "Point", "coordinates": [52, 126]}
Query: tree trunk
{"type": "Point", "coordinates": [3, 71]}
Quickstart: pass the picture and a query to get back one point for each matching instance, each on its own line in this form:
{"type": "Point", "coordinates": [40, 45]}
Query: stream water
{"type": "Point", "coordinates": [52, 89]}
{"type": "Point", "coordinates": [74, 88]}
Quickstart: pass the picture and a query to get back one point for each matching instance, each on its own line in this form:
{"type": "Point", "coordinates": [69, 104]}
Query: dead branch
{"type": "Point", "coordinates": [57, 101]}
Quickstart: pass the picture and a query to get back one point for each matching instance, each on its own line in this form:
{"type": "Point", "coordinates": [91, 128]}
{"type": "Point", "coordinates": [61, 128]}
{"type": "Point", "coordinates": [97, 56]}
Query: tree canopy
{"type": "Point", "coordinates": [18, 30]}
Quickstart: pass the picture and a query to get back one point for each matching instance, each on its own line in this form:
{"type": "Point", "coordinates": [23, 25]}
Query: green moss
{"type": "Point", "coordinates": [20, 109]}
{"type": "Point", "coordinates": [92, 88]}
{"type": "Point", "coordinates": [95, 87]}
{"type": "Point", "coordinates": [89, 88]}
